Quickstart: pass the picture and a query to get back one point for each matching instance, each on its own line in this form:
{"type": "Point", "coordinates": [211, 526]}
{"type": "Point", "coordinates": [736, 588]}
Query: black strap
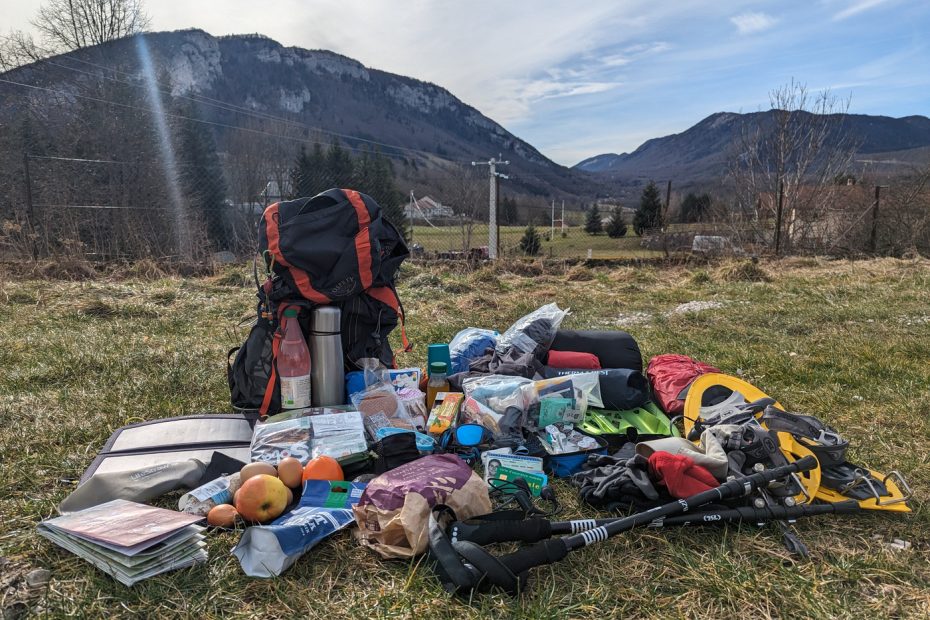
{"type": "Point", "coordinates": [822, 440]}
{"type": "Point", "coordinates": [853, 482]}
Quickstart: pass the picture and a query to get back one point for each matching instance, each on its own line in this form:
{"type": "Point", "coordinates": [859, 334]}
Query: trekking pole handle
{"type": "Point", "coordinates": [489, 532]}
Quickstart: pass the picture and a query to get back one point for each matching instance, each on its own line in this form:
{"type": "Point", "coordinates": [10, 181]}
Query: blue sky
{"type": "Point", "coordinates": [577, 79]}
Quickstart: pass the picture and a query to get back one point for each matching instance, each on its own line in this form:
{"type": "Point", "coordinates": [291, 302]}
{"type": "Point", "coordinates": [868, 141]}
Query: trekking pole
{"type": "Point", "coordinates": [533, 530]}
{"type": "Point", "coordinates": [476, 568]}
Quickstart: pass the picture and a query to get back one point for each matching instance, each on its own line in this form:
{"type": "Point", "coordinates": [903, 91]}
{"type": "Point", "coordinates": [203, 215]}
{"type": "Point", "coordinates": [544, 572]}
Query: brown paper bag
{"type": "Point", "coordinates": [393, 512]}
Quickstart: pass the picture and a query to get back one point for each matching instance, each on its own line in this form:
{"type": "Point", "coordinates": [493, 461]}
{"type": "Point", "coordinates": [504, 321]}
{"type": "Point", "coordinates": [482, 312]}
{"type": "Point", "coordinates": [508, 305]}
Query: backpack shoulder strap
{"type": "Point", "coordinates": [301, 278]}
{"type": "Point", "coordinates": [388, 296]}
{"type": "Point", "coordinates": [362, 242]}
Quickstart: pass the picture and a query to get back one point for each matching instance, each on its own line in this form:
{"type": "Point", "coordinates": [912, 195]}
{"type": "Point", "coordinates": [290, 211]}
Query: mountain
{"type": "Point", "coordinates": [701, 152]}
{"type": "Point", "coordinates": [251, 80]}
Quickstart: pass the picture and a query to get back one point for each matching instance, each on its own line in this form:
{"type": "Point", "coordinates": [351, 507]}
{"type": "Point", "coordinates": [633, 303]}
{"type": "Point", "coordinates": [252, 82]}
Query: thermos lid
{"type": "Point", "coordinates": [326, 319]}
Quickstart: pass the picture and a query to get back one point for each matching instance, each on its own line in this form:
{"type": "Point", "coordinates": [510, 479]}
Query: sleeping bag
{"type": "Point", "coordinates": [614, 349]}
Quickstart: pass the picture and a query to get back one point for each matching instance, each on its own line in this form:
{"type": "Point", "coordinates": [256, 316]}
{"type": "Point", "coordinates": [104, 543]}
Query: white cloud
{"type": "Point", "coordinates": [857, 7]}
{"type": "Point", "coordinates": [753, 22]}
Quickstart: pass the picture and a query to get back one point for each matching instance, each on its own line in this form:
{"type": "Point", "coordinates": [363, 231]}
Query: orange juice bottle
{"type": "Point", "coordinates": [437, 382]}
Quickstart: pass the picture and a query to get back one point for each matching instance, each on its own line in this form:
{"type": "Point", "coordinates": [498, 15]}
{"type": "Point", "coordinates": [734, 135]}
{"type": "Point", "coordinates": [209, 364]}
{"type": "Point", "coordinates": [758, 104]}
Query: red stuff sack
{"type": "Point", "coordinates": [670, 376]}
{"type": "Point", "coordinates": [574, 359]}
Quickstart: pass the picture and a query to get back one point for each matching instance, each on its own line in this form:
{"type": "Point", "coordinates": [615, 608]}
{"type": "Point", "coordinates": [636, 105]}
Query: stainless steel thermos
{"type": "Point", "coordinates": [327, 373]}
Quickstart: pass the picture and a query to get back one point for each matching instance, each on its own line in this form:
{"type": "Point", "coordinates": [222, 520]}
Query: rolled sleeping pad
{"type": "Point", "coordinates": [614, 349]}
{"type": "Point", "coordinates": [621, 388]}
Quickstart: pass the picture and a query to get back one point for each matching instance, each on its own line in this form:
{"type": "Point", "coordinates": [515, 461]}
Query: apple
{"type": "Point", "coordinates": [261, 498]}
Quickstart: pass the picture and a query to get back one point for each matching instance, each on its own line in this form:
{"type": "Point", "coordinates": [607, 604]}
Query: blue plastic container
{"type": "Point", "coordinates": [564, 465]}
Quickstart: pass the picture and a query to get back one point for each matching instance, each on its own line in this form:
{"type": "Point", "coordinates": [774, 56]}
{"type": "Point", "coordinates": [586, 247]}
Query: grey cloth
{"type": "Point", "coordinates": [709, 455]}
{"type": "Point", "coordinates": [608, 473]}
{"type": "Point", "coordinates": [139, 485]}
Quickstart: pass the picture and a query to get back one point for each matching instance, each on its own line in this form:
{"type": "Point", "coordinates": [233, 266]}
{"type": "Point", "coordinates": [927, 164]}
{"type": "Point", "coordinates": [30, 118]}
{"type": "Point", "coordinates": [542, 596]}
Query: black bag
{"type": "Point", "coordinates": [253, 381]}
{"type": "Point", "coordinates": [331, 247]}
{"type": "Point", "coordinates": [309, 266]}
{"type": "Point", "coordinates": [614, 349]}
{"type": "Point", "coordinates": [621, 388]}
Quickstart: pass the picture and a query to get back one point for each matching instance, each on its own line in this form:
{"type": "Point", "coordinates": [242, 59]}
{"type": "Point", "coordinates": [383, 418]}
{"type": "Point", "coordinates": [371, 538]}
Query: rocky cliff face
{"type": "Point", "coordinates": [317, 89]}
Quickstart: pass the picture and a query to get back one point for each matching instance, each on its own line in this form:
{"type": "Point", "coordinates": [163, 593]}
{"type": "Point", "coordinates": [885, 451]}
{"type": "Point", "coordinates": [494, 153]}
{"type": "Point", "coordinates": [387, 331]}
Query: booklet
{"type": "Point", "coordinates": [129, 541]}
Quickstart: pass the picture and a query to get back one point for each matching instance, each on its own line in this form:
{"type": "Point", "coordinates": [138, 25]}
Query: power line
{"type": "Point", "coordinates": [178, 116]}
{"type": "Point", "coordinates": [238, 109]}
{"type": "Point", "coordinates": [230, 107]}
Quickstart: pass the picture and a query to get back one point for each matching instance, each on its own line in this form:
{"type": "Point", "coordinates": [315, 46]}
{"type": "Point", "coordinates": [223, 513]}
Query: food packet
{"type": "Point", "coordinates": [381, 398]}
{"type": "Point", "coordinates": [216, 492]}
{"type": "Point", "coordinates": [273, 441]}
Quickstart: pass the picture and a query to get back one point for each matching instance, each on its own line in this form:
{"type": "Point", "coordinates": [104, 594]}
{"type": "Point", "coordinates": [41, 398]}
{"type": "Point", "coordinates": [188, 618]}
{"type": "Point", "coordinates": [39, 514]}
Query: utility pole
{"type": "Point", "coordinates": [493, 176]}
{"type": "Point", "coordinates": [873, 235]}
{"type": "Point", "coordinates": [668, 199]}
{"type": "Point", "coordinates": [778, 215]}
{"type": "Point", "coordinates": [30, 213]}
{"type": "Point", "coordinates": [552, 222]}
{"type": "Point", "coordinates": [562, 221]}
{"type": "Point", "coordinates": [410, 208]}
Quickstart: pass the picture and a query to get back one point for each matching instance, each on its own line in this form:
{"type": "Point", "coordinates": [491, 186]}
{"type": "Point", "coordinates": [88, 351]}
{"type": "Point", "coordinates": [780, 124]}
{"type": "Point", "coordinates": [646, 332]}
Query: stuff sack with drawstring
{"type": "Point", "coordinates": [670, 376]}
{"type": "Point", "coordinates": [332, 249]}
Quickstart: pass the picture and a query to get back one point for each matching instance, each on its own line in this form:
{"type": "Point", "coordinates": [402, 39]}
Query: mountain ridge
{"type": "Point", "coordinates": [701, 151]}
{"type": "Point", "coordinates": [258, 77]}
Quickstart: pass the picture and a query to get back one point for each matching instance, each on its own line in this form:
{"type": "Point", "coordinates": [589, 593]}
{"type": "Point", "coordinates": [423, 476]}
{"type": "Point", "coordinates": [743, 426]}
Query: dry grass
{"type": "Point", "coordinates": [847, 341]}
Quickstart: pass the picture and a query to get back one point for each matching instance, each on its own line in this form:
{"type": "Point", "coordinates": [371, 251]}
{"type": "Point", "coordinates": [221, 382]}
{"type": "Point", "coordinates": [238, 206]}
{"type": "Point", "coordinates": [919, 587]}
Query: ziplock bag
{"type": "Point", "coordinates": [468, 345]}
{"type": "Point", "coordinates": [496, 402]}
{"type": "Point", "coordinates": [532, 334]}
{"type": "Point", "coordinates": [562, 399]}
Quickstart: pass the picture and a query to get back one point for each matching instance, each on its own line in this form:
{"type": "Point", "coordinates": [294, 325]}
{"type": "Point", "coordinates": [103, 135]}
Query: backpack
{"type": "Point", "coordinates": [332, 249]}
{"type": "Point", "coordinates": [671, 375]}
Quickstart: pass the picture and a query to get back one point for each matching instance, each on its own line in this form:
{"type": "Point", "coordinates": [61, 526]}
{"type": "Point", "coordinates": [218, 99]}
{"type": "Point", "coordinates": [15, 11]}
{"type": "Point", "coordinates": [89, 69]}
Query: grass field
{"type": "Point", "coordinates": [847, 341]}
{"type": "Point", "coordinates": [575, 244]}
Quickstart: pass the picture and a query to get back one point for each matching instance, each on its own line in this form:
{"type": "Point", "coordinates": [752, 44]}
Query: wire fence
{"type": "Point", "coordinates": [105, 210]}
{"type": "Point", "coordinates": [116, 210]}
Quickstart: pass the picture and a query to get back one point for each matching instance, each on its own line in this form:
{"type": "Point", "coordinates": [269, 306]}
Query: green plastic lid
{"type": "Point", "coordinates": [290, 313]}
{"type": "Point", "coordinates": [438, 368]}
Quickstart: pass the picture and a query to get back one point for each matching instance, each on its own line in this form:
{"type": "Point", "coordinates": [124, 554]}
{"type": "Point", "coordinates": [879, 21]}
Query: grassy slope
{"type": "Point", "coordinates": [848, 342]}
{"type": "Point", "coordinates": [575, 244]}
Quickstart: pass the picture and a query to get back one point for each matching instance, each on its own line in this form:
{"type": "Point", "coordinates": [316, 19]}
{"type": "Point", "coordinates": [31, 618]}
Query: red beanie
{"type": "Point", "coordinates": [680, 474]}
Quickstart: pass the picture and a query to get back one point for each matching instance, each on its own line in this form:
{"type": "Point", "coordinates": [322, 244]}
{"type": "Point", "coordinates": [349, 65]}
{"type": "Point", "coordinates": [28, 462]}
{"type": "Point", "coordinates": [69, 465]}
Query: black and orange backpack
{"type": "Point", "coordinates": [332, 249]}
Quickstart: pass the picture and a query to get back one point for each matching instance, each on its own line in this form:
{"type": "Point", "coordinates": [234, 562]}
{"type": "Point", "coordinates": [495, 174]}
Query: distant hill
{"type": "Point", "coordinates": [701, 152]}
{"type": "Point", "coordinates": [317, 88]}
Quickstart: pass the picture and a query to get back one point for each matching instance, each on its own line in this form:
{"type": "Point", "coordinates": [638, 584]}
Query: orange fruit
{"type": "Point", "coordinates": [323, 468]}
{"type": "Point", "coordinates": [222, 515]}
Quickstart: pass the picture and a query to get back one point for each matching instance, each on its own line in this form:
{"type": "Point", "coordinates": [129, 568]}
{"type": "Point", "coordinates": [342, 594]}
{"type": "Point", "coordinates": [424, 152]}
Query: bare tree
{"type": "Point", "coordinates": [73, 24]}
{"type": "Point", "coordinates": [787, 163]}
{"type": "Point", "coordinates": [467, 191]}
{"type": "Point", "coordinates": [65, 25]}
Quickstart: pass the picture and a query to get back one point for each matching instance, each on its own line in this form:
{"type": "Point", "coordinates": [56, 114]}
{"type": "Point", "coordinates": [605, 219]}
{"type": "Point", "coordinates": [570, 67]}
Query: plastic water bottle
{"type": "Point", "coordinates": [294, 364]}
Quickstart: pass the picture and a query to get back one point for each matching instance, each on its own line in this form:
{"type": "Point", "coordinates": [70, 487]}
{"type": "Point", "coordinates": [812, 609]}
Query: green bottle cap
{"type": "Point", "coordinates": [438, 368]}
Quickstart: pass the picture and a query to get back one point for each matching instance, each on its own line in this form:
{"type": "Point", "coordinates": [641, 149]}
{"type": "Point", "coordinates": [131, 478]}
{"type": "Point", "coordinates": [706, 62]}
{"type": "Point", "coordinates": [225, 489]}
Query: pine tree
{"type": "Point", "coordinates": [694, 208]}
{"type": "Point", "coordinates": [509, 211]}
{"type": "Point", "coordinates": [339, 167]}
{"type": "Point", "coordinates": [593, 224]}
{"type": "Point", "coordinates": [649, 213]}
{"type": "Point", "coordinates": [530, 244]}
{"type": "Point", "coordinates": [309, 175]}
{"type": "Point", "coordinates": [374, 175]}
{"type": "Point", "coordinates": [201, 176]}
{"type": "Point", "coordinates": [616, 228]}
